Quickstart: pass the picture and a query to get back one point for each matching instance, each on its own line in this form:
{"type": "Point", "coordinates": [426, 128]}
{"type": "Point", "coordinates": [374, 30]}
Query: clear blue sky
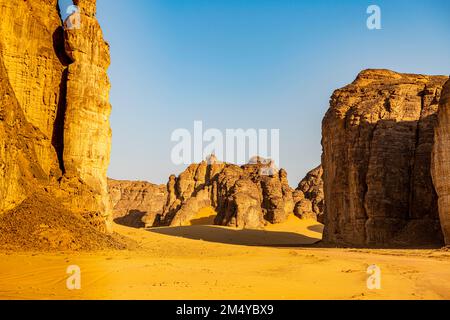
{"type": "Point", "coordinates": [250, 64]}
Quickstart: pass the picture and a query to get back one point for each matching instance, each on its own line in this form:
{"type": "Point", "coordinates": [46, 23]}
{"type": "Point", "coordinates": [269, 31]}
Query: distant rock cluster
{"type": "Point", "coordinates": [134, 200]}
{"type": "Point", "coordinates": [242, 196]}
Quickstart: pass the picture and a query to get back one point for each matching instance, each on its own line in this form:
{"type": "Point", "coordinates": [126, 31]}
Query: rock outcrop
{"type": "Point", "coordinates": [54, 127]}
{"type": "Point", "coordinates": [441, 161]}
{"type": "Point", "coordinates": [134, 200]}
{"type": "Point", "coordinates": [87, 133]}
{"type": "Point", "coordinates": [246, 196]}
{"type": "Point", "coordinates": [377, 143]}
{"type": "Point", "coordinates": [19, 166]}
{"type": "Point", "coordinates": [309, 197]}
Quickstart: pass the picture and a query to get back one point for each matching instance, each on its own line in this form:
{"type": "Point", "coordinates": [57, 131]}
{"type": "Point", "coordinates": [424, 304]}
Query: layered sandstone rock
{"type": "Point", "coordinates": [54, 129]}
{"type": "Point", "coordinates": [132, 200]}
{"type": "Point", "coordinates": [87, 133]}
{"type": "Point", "coordinates": [19, 168]}
{"type": "Point", "coordinates": [309, 197]}
{"type": "Point", "coordinates": [30, 32]}
{"type": "Point", "coordinates": [441, 161]}
{"type": "Point", "coordinates": [243, 197]}
{"type": "Point", "coordinates": [377, 143]}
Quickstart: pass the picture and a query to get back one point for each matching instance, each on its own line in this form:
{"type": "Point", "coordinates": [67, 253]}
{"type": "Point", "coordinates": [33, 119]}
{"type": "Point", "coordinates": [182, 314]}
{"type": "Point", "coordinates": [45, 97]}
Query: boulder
{"type": "Point", "coordinates": [309, 196]}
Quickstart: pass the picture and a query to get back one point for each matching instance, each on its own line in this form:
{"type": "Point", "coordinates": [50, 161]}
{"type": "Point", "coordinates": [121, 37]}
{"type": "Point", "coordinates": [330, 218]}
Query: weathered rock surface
{"type": "Point", "coordinates": [243, 197]}
{"type": "Point", "coordinates": [377, 143]}
{"type": "Point", "coordinates": [87, 133]}
{"type": "Point", "coordinates": [249, 197]}
{"type": "Point", "coordinates": [132, 200]}
{"type": "Point", "coordinates": [309, 197]}
{"type": "Point", "coordinates": [441, 161]}
{"type": "Point", "coordinates": [19, 167]}
{"type": "Point", "coordinates": [54, 127]}
{"type": "Point", "coordinates": [30, 32]}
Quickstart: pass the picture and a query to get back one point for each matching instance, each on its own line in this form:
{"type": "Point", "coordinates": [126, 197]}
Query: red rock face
{"type": "Point", "coordinates": [441, 161]}
{"type": "Point", "coordinates": [377, 143]}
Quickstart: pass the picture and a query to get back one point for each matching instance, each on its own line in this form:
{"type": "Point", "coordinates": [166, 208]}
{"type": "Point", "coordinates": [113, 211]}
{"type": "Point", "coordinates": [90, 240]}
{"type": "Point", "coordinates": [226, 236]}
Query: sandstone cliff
{"type": "Point", "coordinates": [19, 167]}
{"type": "Point", "coordinates": [441, 161]}
{"type": "Point", "coordinates": [54, 127]}
{"type": "Point", "coordinates": [377, 143]}
{"type": "Point", "coordinates": [87, 133]}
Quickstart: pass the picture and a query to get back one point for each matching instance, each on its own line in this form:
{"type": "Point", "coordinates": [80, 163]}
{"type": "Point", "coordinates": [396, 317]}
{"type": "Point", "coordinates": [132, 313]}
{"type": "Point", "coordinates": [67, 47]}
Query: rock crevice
{"type": "Point", "coordinates": [59, 108]}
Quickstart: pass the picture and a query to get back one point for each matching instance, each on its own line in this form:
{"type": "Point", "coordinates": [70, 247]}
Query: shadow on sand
{"type": "Point", "coordinates": [316, 228]}
{"type": "Point", "coordinates": [238, 237]}
{"type": "Point", "coordinates": [133, 219]}
{"type": "Point", "coordinates": [203, 221]}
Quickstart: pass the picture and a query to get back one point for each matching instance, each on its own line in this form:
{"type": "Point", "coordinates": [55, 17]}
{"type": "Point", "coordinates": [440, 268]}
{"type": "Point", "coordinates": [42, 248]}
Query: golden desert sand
{"type": "Point", "coordinates": [210, 262]}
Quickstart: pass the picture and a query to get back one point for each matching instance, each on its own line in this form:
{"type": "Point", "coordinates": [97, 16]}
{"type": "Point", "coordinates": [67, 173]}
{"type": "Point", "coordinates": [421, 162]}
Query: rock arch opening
{"type": "Point", "coordinates": [64, 8]}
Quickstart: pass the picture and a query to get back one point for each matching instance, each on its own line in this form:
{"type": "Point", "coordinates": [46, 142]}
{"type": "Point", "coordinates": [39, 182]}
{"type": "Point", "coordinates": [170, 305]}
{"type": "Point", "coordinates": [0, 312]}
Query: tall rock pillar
{"type": "Point", "coordinates": [87, 133]}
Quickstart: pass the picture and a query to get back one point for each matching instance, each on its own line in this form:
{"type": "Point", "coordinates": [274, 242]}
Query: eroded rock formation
{"type": "Point", "coordinates": [377, 143]}
{"type": "Point", "coordinates": [134, 200]}
{"type": "Point", "coordinates": [19, 166]}
{"type": "Point", "coordinates": [246, 196]}
{"type": "Point", "coordinates": [309, 197]}
{"type": "Point", "coordinates": [87, 133]}
{"type": "Point", "coordinates": [441, 161]}
{"type": "Point", "coordinates": [54, 127]}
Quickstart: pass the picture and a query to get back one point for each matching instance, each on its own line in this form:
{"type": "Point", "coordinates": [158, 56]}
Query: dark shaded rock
{"type": "Point", "coordinates": [377, 142]}
{"type": "Point", "coordinates": [136, 203]}
{"type": "Point", "coordinates": [441, 161]}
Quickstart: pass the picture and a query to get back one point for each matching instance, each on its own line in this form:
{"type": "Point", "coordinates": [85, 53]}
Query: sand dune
{"type": "Point", "coordinates": [174, 263]}
{"type": "Point", "coordinates": [294, 233]}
